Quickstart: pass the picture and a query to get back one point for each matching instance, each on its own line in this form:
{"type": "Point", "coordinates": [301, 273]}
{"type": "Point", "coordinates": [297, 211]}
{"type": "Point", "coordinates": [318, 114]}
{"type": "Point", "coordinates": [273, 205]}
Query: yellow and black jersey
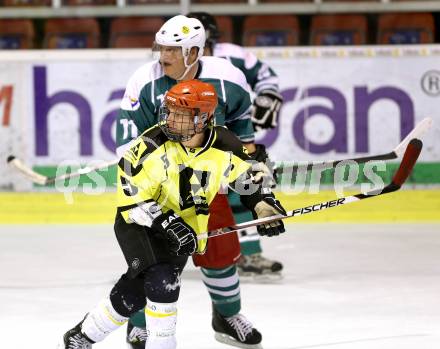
{"type": "Point", "coordinates": [185, 180]}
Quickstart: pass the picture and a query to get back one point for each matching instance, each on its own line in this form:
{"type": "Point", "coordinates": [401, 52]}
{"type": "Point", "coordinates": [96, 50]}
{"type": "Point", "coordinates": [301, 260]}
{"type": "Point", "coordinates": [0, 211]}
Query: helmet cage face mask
{"type": "Point", "coordinates": [187, 109]}
{"type": "Point", "coordinates": [180, 124]}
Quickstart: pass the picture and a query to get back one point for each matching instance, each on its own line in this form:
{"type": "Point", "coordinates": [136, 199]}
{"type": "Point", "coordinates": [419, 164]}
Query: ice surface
{"type": "Point", "coordinates": [345, 286]}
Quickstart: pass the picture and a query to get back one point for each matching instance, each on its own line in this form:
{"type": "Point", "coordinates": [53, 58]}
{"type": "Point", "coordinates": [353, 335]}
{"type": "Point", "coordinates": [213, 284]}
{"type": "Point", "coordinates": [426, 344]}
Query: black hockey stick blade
{"type": "Point", "coordinates": [410, 157]}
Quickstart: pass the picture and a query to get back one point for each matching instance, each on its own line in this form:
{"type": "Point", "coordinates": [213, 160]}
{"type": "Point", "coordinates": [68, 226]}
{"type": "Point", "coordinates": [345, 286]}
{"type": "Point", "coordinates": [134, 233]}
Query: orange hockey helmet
{"type": "Point", "coordinates": [187, 109]}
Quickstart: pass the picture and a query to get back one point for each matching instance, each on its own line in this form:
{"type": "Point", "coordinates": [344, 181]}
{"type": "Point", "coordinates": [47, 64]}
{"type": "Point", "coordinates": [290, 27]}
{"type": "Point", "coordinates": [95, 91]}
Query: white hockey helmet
{"type": "Point", "coordinates": [183, 32]}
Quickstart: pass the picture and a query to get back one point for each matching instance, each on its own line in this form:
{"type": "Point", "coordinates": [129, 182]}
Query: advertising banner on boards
{"type": "Point", "coordinates": [339, 102]}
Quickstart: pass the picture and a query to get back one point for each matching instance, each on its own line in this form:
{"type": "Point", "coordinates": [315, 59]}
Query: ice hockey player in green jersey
{"type": "Point", "coordinates": [265, 110]}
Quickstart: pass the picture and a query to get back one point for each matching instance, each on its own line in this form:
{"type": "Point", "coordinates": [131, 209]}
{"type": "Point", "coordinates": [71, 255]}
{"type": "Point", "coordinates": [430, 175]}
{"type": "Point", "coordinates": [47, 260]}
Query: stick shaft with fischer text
{"type": "Point", "coordinates": [410, 157]}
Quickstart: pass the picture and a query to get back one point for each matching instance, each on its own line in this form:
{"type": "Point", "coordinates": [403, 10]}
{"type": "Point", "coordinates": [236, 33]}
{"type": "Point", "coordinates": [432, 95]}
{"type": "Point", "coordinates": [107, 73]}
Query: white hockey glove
{"type": "Point", "coordinates": [265, 109]}
{"type": "Point", "coordinates": [144, 213]}
{"type": "Point", "coordinates": [264, 171]}
{"type": "Point", "coordinates": [267, 207]}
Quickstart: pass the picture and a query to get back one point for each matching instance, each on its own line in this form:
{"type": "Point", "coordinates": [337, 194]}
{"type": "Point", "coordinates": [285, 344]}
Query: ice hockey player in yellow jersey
{"type": "Point", "coordinates": [166, 181]}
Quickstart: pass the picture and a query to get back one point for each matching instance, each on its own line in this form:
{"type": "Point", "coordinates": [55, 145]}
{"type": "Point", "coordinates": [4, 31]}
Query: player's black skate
{"type": "Point", "coordinates": [136, 337]}
{"type": "Point", "coordinates": [236, 331]}
{"type": "Point", "coordinates": [75, 339]}
{"type": "Point", "coordinates": [259, 268]}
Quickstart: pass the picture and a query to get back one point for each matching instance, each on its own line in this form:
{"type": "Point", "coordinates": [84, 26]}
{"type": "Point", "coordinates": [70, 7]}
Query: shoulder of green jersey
{"type": "Point", "coordinates": [143, 76]}
{"type": "Point", "coordinates": [222, 69]}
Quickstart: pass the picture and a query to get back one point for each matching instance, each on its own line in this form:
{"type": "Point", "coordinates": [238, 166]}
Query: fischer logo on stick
{"type": "Point", "coordinates": [318, 207]}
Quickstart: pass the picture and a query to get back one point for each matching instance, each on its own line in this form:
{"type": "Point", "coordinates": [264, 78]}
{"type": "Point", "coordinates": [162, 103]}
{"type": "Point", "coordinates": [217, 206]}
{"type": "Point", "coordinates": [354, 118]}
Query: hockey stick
{"type": "Point", "coordinates": [38, 178]}
{"type": "Point", "coordinates": [416, 132]}
{"type": "Point", "coordinates": [44, 180]}
{"type": "Point", "coordinates": [410, 157]}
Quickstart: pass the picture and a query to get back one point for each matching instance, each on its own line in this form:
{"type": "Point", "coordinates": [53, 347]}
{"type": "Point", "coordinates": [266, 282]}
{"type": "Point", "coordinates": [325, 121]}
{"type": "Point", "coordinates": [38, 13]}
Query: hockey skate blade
{"type": "Point", "coordinates": [228, 340]}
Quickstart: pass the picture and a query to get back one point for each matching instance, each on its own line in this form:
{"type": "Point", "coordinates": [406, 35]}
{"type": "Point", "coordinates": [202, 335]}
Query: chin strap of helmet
{"type": "Point", "coordinates": [187, 66]}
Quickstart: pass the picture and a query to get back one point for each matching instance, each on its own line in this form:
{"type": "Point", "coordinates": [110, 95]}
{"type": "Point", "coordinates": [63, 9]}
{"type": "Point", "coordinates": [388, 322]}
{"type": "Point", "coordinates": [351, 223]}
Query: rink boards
{"type": "Point", "coordinates": [338, 103]}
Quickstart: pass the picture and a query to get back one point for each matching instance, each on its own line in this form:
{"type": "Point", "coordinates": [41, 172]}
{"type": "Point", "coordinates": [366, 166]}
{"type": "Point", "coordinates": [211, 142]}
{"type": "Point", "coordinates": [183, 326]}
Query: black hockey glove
{"type": "Point", "coordinates": [269, 206]}
{"type": "Point", "coordinates": [265, 109]}
{"type": "Point", "coordinates": [182, 239]}
{"type": "Point", "coordinates": [264, 171]}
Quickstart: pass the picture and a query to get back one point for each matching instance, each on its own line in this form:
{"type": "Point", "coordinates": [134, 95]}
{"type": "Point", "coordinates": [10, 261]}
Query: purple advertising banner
{"type": "Point", "coordinates": [338, 102]}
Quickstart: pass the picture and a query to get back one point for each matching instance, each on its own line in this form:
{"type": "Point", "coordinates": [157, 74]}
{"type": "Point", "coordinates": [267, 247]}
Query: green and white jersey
{"type": "Point", "coordinates": [147, 87]}
{"type": "Point", "coordinates": [258, 74]}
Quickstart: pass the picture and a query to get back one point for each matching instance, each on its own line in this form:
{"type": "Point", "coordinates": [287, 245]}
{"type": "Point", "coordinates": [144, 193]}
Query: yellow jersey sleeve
{"type": "Point", "coordinates": [139, 177]}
